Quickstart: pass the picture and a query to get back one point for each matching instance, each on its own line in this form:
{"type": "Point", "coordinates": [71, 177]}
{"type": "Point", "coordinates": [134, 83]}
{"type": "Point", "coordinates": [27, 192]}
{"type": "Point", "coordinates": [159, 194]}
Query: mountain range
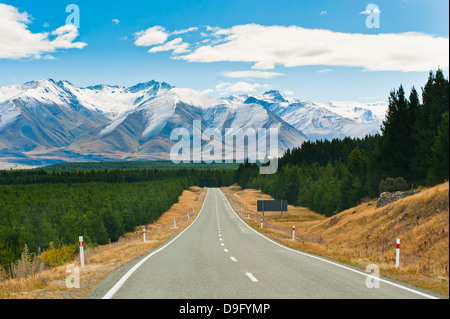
{"type": "Point", "coordinates": [44, 122]}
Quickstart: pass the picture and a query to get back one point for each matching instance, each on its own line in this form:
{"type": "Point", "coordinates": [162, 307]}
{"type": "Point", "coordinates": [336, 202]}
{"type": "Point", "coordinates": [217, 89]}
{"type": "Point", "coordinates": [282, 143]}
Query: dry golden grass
{"type": "Point", "coordinates": [101, 260]}
{"type": "Point", "coordinates": [365, 234]}
{"type": "Point", "coordinates": [247, 200]}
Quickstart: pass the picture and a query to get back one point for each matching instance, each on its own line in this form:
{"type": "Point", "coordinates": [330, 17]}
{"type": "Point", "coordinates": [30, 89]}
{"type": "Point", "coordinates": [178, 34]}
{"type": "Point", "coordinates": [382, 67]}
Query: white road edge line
{"type": "Point", "coordinates": [328, 261]}
{"type": "Point", "coordinates": [252, 278]}
{"type": "Point", "coordinates": [130, 272]}
{"type": "Point", "coordinates": [217, 211]}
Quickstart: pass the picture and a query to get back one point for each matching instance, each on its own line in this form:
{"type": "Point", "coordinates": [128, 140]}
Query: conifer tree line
{"type": "Point", "coordinates": [44, 209]}
{"type": "Point", "coordinates": [330, 176]}
{"type": "Point", "coordinates": [45, 175]}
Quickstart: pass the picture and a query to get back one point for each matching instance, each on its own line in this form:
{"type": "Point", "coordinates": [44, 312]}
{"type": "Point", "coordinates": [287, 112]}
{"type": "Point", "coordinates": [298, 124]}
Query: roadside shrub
{"type": "Point", "coordinates": [56, 256]}
{"type": "Point", "coordinates": [27, 265]}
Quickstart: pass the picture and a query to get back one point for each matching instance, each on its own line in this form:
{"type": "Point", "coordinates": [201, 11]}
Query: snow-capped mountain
{"type": "Point", "coordinates": [324, 120]}
{"type": "Point", "coordinates": [45, 121]}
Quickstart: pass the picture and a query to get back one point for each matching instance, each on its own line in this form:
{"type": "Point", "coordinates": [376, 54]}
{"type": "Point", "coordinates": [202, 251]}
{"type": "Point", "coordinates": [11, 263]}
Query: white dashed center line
{"type": "Point", "coordinates": [249, 275]}
{"type": "Point", "coordinates": [252, 278]}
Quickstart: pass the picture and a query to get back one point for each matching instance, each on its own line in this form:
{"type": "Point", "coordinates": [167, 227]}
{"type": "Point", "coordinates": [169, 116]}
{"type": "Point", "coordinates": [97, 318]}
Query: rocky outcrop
{"type": "Point", "coordinates": [387, 197]}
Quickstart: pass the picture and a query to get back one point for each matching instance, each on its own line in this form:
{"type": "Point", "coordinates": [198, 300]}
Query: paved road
{"type": "Point", "coordinates": [219, 256]}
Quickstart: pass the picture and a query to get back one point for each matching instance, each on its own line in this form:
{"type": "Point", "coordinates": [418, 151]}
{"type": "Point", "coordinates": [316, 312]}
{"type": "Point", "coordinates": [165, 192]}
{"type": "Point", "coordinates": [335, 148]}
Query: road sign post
{"type": "Point", "coordinates": [397, 253]}
{"type": "Point", "coordinates": [281, 208]}
{"type": "Point", "coordinates": [80, 238]}
{"type": "Point", "coordinates": [262, 203]}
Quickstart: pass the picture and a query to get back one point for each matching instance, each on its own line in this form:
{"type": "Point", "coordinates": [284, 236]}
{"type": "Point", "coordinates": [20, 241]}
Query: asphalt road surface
{"type": "Point", "coordinates": [219, 256]}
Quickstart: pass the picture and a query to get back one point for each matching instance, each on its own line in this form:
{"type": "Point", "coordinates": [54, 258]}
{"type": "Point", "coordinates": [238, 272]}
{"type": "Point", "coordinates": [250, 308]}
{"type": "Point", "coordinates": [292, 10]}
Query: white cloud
{"type": "Point", "coordinates": [324, 71]}
{"type": "Point", "coordinates": [17, 42]}
{"type": "Point", "coordinates": [48, 57]}
{"type": "Point", "coordinates": [239, 87]}
{"type": "Point", "coordinates": [267, 46]}
{"type": "Point", "coordinates": [157, 36]}
{"type": "Point", "coordinates": [368, 11]}
{"type": "Point", "coordinates": [213, 29]}
{"type": "Point", "coordinates": [251, 74]}
{"type": "Point", "coordinates": [207, 91]}
{"type": "Point", "coordinates": [116, 21]}
{"type": "Point", "coordinates": [151, 36]}
{"type": "Point", "coordinates": [177, 46]}
{"type": "Point", "coordinates": [323, 12]}
{"type": "Point", "coordinates": [185, 30]}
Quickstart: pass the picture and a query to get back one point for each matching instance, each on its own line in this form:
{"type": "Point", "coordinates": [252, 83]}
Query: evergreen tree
{"type": "Point", "coordinates": [435, 102]}
{"type": "Point", "coordinates": [357, 162]}
{"type": "Point", "coordinates": [411, 117]}
{"type": "Point", "coordinates": [393, 152]}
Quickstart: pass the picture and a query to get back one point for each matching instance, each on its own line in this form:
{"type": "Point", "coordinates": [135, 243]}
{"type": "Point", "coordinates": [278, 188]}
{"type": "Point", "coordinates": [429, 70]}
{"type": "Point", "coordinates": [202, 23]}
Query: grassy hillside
{"type": "Point", "coordinates": [365, 234]}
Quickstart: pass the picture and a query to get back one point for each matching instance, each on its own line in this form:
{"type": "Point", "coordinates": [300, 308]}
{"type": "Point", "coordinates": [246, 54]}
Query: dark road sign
{"type": "Point", "coordinates": [272, 205]}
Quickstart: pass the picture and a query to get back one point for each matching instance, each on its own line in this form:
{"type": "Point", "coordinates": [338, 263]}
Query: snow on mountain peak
{"type": "Point", "coordinates": [150, 85]}
{"type": "Point", "coordinates": [159, 100]}
{"type": "Point", "coordinates": [358, 111]}
{"type": "Point", "coordinates": [194, 98]}
{"type": "Point", "coordinates": [275, 95]}
{"type": "Point", "coordinates": [114, 101]}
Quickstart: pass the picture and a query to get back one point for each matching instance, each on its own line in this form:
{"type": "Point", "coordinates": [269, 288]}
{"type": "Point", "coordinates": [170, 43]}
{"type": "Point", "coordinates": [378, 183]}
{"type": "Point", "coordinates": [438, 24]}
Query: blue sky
{"type": "Point", "coordinates": [217, 55]}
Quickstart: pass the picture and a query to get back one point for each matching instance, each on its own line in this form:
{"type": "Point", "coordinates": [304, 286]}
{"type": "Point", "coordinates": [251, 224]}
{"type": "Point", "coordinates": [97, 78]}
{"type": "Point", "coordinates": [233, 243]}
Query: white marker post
{"type": "Point", "coordinates": [143, 232]}
{"type": "Point", "coordinates": [293, 232]}
{"type": "Point", "coordinates": [261, 223]}
{"type": "Point", "coordinates": [80, 238]}
{"type": "Point", "coordinates": [174, 223]}
{"type": "Point", "coordinates": [397, 254]}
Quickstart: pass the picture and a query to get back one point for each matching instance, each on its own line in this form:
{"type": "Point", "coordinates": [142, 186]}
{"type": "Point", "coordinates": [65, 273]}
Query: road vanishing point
{"type": "Point", "coordinates": [218, 256]}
